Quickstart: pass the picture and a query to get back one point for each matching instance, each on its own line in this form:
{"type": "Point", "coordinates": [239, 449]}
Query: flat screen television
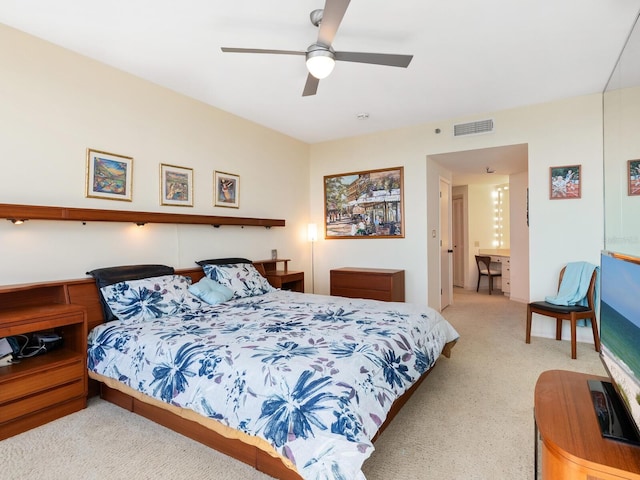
{"type": "Point", "coordinates": [617, 403]}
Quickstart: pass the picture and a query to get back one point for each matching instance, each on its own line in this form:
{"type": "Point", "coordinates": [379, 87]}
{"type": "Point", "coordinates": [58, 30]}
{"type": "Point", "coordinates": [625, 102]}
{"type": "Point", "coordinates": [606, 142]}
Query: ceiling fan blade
{"type": "Point", "coordinates": [388, 59]}
{"type": "Point", "coordinates": [261, 50]}
{"type": "Point", "coordinates": [332, 15]}
{"type": "Point", "coordinates": [311, 87]}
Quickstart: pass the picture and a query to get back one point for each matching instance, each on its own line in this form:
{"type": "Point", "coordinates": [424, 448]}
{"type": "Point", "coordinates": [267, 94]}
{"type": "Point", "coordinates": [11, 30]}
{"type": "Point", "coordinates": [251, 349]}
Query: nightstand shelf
{"type": "Point", "coordinates": [282, 278]}
{"type": "Point", "coordinates": [40, 389]}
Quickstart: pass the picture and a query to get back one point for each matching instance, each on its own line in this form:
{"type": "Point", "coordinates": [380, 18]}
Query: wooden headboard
{"type": "Point", "coordinates": [79, 292]}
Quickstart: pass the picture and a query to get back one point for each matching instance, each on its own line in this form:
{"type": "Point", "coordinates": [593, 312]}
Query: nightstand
{"type": "Point", "coordinates": [42, 388]}
{"type": "Point", "coordinates": [282, 278]}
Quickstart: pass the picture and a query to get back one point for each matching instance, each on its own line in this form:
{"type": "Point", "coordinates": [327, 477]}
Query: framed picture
{"type": "Point", "coordinates": [226, 190]}
{"type": "Point", "coordinates": [365, 204]}
{"type": "Point", "coordinates": [564, 182]}
{"type": "Point", "coordinates": [176, 185]}
{"type": "Point", "coordinates": [633, 177]}
{"type": "Point", "coordinates": [109, 176]}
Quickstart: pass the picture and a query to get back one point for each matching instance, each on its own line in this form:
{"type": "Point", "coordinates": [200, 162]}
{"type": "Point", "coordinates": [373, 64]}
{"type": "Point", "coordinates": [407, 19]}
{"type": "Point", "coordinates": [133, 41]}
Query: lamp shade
{"type": "Point", "coordinates": [312, 232]}
{"type": "Point", "coordinates": [320, 63]}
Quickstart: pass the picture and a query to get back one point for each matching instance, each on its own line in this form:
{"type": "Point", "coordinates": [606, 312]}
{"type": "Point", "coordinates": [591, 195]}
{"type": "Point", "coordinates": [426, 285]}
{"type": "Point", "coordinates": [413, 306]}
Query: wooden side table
{"type": "Point", "coordinates": [570, 445]}
{"type": "Point", "coordinates": [42, 388]}
{"type": "Point", "coordinates": [282, 277]}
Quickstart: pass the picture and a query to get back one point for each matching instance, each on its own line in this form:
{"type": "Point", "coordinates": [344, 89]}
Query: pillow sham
{"type": "Point", "coordinates": [110, 275]}
{"type": "Point", "coordinates": [242, 278]}
{"type": "Point", "coordinates": [210, 291]}
{"type": "Point", "coordinates": [150, 298]}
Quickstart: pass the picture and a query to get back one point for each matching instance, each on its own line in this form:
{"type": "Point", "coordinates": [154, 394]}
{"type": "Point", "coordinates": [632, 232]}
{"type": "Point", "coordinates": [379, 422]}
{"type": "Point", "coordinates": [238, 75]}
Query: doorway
{"type": "Point", "coordinates": [457, 240]}
{"type": "Point", "coordinates": [471, 172]}
{"type": "Point", "coordinates": [446, 285]}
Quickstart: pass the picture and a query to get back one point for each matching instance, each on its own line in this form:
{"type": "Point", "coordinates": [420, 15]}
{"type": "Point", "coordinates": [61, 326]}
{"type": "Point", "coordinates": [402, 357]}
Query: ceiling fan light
{"type": "Point", "coordinates": [320, 63]}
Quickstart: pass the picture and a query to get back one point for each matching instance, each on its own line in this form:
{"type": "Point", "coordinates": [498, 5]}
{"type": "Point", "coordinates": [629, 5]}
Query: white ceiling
{"type": "Point", "coordinates": [470, 57]}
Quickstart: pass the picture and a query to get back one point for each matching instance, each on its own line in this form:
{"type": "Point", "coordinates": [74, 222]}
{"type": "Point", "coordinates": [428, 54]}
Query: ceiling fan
{"type": "Point", "coordinates": [320, 56]}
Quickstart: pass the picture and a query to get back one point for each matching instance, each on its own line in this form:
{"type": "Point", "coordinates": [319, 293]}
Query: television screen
{"type": "Point", "coordinates": [620, 328]}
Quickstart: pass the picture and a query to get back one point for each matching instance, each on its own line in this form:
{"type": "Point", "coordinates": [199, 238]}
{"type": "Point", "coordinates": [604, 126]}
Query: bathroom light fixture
{"type": "Point", "coordinates": [17, 221]}
{"type": "Point", "coordinates": [320, 61]}
{"type": "Point", "coordinates": [140, 224]}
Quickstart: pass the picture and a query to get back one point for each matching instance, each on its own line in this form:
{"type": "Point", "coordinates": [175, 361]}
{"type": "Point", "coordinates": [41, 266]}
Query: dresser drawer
{"type": "Point", "coordinates": [358, 280]}
{"type": "Point", "coordinates": [42, 400]}
{"type": "Point", "coordinates": [20, 386]}
{"type": "Point", "coordinates": [371, 283]}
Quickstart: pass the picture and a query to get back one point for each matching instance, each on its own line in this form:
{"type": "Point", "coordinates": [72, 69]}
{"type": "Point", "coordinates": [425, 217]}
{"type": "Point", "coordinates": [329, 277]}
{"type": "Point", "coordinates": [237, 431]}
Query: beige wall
{"type": "Point", "coordinates": [558, 133]}
{"type": "Point", "coordinates": [56, 104]}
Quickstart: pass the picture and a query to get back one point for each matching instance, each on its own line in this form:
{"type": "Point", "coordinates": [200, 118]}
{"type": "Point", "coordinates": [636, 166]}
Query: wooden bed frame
{"type": "Point", "coordinates": [85, 293]}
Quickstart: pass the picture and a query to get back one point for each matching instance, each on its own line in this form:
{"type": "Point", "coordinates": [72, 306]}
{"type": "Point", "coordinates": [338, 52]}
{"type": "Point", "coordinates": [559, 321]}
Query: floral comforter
{"type": "Point", "coordinates": [313, 375]}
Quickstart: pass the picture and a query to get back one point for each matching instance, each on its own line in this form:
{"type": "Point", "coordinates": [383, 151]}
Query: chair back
{"type": "Point", "coordinates": [590, 291]}
{"type": "Point", "coordinates": [483, 262]}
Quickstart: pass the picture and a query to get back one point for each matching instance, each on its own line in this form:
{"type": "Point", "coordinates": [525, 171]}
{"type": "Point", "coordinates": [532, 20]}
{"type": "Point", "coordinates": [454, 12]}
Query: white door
{"type": "Point", "coordinates": [457, 238]}
{"type": "Point", "coordinates": [446, 283]}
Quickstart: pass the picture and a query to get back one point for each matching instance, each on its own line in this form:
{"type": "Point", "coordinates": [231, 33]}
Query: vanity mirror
{"type": "Point", "coordinates": [621, 110]}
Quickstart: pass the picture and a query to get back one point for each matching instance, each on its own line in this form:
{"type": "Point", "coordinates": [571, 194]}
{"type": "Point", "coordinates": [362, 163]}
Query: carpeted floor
{"type": "Point", "coordinates": [471, 419]}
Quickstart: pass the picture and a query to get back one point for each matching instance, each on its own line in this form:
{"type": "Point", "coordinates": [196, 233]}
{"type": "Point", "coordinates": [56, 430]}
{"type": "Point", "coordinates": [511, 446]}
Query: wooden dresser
{"type": "Point", "coordinates": [373, 283]}
{"type": "Point", "coordinates": [569, 444]}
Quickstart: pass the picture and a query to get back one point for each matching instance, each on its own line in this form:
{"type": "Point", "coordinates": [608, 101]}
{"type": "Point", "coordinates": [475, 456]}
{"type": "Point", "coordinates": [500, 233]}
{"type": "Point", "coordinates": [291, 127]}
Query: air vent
{"type": "Point", "coordinates": [473, 128]}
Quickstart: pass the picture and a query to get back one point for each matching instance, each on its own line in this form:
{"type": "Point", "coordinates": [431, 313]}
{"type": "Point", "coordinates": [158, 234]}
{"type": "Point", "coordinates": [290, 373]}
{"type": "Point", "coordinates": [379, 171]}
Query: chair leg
{"type": "Point", "coordinates": [528, 331]}
{"type": "Point", "coordinates": [490, 284]}
{"type": "Point", "coordinates": [478, 285]}
{"type": "Point", "coordinates": [596, 337]}
{"type": "Point", "coordinates": [573, 338]}
{"type": "Point", "coordinates": [558, 329]}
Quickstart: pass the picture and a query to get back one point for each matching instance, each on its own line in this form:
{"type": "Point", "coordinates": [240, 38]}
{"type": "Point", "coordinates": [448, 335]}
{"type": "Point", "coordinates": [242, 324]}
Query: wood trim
{"type": "Point", "coordinates": [38, 212]}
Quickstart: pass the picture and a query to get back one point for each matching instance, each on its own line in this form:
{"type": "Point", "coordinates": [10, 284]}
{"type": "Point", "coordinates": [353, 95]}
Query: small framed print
{"type": "Point", "coordinates": [109, 176]}
{"type": "Point", "coordinates": [633, 177]}
{"type": "Point", "coordinates": [226, 190]}
{"type": "Point", "coordinates": [564, 182]}
{"type": "Point", "coordinates": [176, 185]}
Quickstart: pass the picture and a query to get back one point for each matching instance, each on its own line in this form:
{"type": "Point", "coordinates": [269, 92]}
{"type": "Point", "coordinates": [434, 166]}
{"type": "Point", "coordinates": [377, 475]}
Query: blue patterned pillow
{"type": "Point", "coordinates": [150, 298]}
{"type": "Point", "coordinates": [242, 278]}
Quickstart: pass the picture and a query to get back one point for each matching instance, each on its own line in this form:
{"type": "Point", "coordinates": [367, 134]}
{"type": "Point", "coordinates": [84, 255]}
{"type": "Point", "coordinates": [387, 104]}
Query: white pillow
{"type": "Point", "coordinates": [150, 298]}
{"type": "Point", "coordinates": [242, 278]}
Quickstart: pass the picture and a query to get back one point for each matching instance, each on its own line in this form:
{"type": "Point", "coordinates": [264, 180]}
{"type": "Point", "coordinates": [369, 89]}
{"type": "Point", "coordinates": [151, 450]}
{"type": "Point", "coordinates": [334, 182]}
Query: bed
{"type": "Point", "coordinates": [304, 381]}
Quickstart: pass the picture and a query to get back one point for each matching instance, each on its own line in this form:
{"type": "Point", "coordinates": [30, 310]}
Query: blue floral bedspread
{"type": "Point", "coordinates": [313, 375]}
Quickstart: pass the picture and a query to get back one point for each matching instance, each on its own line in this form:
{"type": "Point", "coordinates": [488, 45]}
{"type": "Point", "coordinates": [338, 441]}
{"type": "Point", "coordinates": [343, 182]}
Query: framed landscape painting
{"type": "Point", "coordinates": [564, 182]}
{"type": "Point", "coordinates": [176, 185]}
{"type": "Point", "coordinates": [365, 204]}
{"type": "Point", "coordinates": [226, 190]}
{"type": "Point", "coordinates": [109, 176]}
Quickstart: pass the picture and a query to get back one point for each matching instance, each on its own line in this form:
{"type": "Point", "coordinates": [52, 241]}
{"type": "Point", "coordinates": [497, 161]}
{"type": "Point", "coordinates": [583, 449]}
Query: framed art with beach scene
{"type": "Point", "coordinates": [226, 190]}
{"type": "Point", "coordinates": [564, 182]}
{"type": "Point", "coordinates": [365, 204]}
{"type": "Point", "coordinates": [109, 176]}
{"type": "Point", "coordinates": [176, 185]}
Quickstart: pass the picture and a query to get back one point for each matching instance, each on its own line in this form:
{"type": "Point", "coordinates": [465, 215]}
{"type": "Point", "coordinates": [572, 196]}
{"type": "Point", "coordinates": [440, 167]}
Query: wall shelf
{"type": "Point", "coordinates": [37, 212]}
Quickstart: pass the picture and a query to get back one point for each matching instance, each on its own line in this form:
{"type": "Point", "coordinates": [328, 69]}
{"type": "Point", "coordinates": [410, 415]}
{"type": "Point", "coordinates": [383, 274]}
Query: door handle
{"type": "Point", "coordinates": [449, 251]}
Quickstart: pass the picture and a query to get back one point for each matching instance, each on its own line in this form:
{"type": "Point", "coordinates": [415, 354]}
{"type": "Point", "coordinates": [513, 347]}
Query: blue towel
{"type": "Point", "coordinates": [574, 286]}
